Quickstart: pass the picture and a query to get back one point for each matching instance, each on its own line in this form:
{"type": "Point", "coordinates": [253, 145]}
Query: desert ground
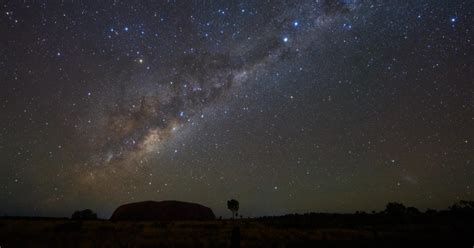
{"type": "Point", "coordinates": [16, 232]}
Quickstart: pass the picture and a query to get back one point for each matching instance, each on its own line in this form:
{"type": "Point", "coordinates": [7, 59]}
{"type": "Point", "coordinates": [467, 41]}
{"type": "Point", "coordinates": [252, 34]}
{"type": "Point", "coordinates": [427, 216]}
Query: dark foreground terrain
{"type": "Point", "coordinates": [310, 230]}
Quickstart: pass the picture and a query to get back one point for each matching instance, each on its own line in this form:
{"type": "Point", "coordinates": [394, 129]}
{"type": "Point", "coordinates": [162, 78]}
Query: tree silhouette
{"type": "Point", "coordinates": [233, 206]}
{"type": "Point", "coordinates": [86, 214]}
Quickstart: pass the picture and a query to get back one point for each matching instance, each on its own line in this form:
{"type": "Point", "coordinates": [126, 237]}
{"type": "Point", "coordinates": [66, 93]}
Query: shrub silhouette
{"type": "Point", "coordinates": [233, 206]}
{"type": "Point", "coordinates": [395, 209]}
{"type": "Point", "coordinates": [86, 214]}
{"type": "Point", "coordinates": [412, 211]}
{"type": "Point", "coordinates": [463, 206]}
{"type": "Point", "coordinates": [431, 212]}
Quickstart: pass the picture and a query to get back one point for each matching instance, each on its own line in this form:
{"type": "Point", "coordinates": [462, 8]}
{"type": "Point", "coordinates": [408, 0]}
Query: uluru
{"type": "Point", "coordinates": [162, 210]}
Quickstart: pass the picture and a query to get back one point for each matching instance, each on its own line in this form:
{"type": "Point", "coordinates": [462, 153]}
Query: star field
{"type": "Point", "coordinates": [330, 105]}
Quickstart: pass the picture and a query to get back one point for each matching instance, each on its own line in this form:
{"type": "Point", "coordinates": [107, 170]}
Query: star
{"type": "Point", "coordinates": [292, 99]}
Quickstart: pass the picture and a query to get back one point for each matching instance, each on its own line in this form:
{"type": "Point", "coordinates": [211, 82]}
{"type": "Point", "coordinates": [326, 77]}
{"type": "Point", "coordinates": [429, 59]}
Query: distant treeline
{"type": "Point", "coordinates": [456, 216]}
{"type": "Point", "coordinates": [32, 217]}
{"type": "Point", "coordinates": [461, 212]}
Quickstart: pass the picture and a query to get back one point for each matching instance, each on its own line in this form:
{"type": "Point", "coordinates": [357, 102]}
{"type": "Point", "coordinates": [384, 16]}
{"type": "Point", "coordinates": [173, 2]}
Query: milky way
{"type": "Point", "coordinates": [135, 122]}
{"type": "Point", "coordinates": [330, 105]}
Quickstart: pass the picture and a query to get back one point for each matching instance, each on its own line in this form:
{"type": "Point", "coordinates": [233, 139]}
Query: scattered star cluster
{"type": "Point", "coordinates": [329, 105]}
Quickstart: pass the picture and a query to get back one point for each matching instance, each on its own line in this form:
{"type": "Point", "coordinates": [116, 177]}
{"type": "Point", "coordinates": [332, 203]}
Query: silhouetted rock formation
{"type": "Point", "coordinates": [164, 210]}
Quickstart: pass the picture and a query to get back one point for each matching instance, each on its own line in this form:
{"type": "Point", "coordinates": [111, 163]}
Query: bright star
{"type": "Point", "coordinates": [296, 24]}
{"type": "Point", "coordinates": [285, 39]}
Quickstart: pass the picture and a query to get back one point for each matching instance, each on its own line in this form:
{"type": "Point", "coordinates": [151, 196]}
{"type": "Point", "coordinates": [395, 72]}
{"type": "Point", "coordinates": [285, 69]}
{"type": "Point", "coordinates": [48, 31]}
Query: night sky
{"type": "Point", "coordinates": [286, 106]}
